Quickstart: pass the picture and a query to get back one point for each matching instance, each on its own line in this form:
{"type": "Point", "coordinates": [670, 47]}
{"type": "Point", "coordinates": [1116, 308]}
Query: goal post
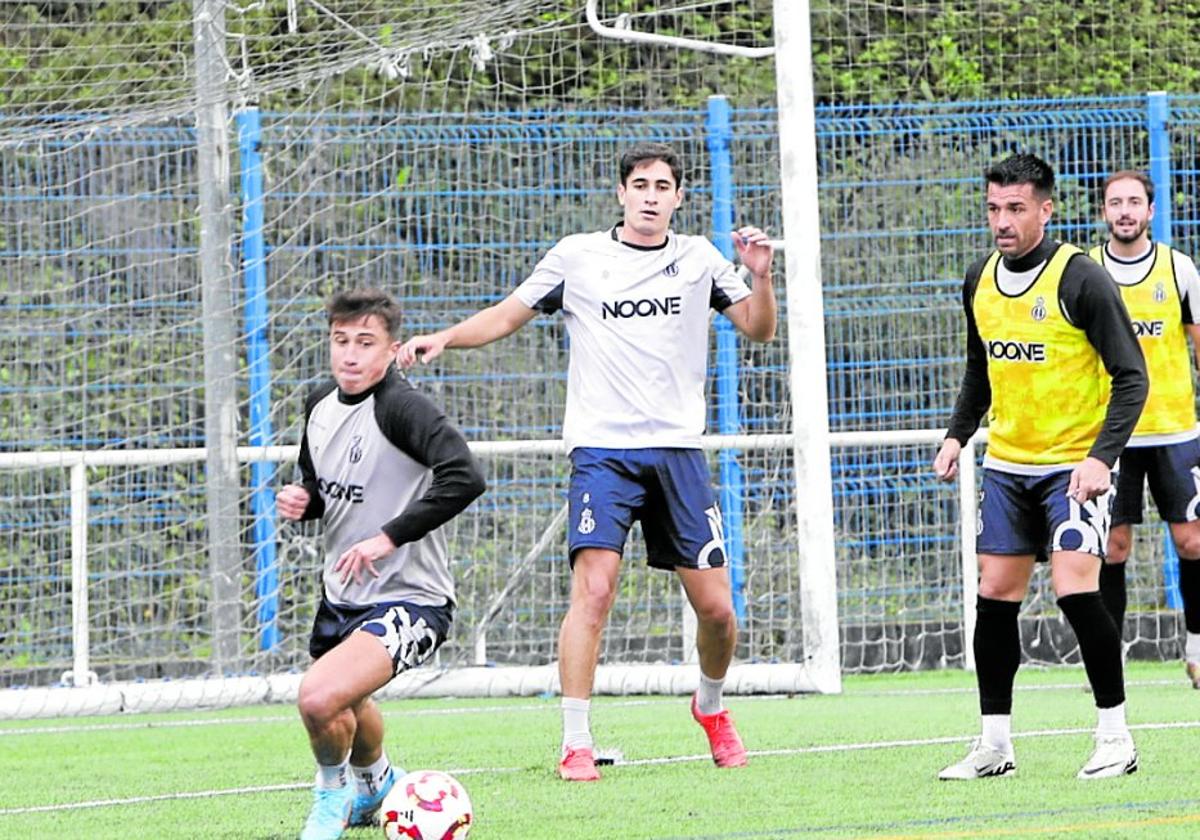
{"type": "Point", "coordinates": [806, 339]}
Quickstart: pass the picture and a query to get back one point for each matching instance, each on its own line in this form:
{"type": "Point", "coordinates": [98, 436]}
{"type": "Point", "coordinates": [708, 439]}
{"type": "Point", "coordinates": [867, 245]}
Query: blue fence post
{"type": "Point", "coordinates": [254, 279]}
{"type": "Point", "coordinates": [719, 134]}
{"type": "Point", "coordinates": [1157, 116]}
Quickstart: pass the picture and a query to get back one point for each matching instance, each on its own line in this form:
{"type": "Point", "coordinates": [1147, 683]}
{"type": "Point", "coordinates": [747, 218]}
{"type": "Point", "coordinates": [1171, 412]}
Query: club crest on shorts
{"type": "Point", "coordinates": [587, 523]}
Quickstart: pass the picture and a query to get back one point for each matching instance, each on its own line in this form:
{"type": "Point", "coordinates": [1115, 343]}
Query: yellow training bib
{"type": "Point", "coordinates": [1157, 315]}
{"type": "Point", "coordinates": [1049, 386]}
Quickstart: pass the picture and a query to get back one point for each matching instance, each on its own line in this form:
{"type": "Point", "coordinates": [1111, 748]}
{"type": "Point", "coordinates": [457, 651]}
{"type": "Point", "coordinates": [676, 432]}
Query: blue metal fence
{"type": "Point", "coordinates": [451, 211]}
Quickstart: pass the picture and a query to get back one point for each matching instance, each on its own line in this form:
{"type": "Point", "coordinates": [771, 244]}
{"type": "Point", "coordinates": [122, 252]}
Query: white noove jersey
{"type": "Point", "coordinates": [638, 320]}
{"type": "Point", "coordinates": [386, 460]}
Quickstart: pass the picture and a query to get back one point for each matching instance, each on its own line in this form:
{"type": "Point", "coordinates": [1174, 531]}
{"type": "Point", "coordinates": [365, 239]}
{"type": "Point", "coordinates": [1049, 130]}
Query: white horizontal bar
{"type": "Point", "coordinates": [273, 454]}
{"type": "Point", "coordinates": [613, 32]}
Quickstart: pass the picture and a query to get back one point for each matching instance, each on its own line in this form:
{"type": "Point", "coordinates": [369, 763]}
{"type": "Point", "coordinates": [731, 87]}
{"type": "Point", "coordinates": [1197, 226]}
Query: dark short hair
{"type": "Point", "coordinates": [1131, 175]}
{"type": "Point", "coordinates": [644, 152]}
{"type": "Point", "coordinates": [356, 304]}
{"type": "Point", "coordinates": [1022, 168]}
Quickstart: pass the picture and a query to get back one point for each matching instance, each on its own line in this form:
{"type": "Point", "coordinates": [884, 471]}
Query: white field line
{"type": "Point", "coordinates": [502, 709]}
{"type": "Point", "coordinates": [465, 771]}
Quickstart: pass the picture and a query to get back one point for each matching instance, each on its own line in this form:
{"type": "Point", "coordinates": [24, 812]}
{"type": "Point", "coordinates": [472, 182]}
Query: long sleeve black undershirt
{"type": "Point", "coordinates": [413, 424]}
{"type": "Point", "coordinates": [418, 428]}
{"type": "Point", "coordinates": [1092, 302]}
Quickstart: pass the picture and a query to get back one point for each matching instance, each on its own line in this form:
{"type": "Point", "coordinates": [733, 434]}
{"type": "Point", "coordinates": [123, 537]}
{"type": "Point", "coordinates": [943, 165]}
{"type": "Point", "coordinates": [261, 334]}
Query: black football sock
{"type": "Point", "coordinates": [1099, 646]}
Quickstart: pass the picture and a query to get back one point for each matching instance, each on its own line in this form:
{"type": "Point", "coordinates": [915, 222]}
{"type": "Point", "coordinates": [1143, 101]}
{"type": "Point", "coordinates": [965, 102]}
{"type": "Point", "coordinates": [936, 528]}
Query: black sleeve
{"type": "Point", "coordinates": [975, 393]}
{"type": "Point", "coordinates": [418, 428]}
{"type": "Point", "coordinates": [308, 473]}
{"type": "Point", "coordinates": [1091, 301]}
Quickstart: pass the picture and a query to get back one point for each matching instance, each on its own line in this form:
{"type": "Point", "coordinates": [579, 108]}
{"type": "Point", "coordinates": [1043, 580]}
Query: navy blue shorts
{"type": "Point", "coordinates": [409, 632]}
{"type": "Point", "coordinates": [667, 490]}
{"type": "Point", "coordinates": [1173, 472]}
{"type": "Point", "coordinates": [1020, 514]}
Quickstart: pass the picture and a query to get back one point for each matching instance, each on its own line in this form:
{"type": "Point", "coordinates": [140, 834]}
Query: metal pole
{"type": "Point", "coordinates": [258, 361]}
{"type": "Point", "coordinates": [806, 343]}
{"type": "Point", "coordinates": [220, 339]}
{"type": "Point", "coordinates": [719, 133]}
{"type": "Point", "coordinates": [1158, 113]}
{"type": "Point", "coordinates": [968, 510]}
{"type": "Point", "coordinates": [80, 674]}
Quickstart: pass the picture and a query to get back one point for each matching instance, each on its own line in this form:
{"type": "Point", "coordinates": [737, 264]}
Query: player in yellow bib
{"type": "Point", "coordinates": [1046, 332]}
{"type": "Point", "coordinates": [1161, 290]}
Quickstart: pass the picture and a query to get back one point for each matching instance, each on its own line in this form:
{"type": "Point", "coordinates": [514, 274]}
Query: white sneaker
{"type": "Point", "coordinates": [1115, 755]}
{"type": "Point", "coordinates": [982, 761]}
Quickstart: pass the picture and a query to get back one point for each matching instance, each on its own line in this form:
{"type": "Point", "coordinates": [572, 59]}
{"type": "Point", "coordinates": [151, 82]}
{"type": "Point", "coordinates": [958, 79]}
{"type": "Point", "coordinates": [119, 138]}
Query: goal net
{"type": "Point", "coordinates": [437, 150]}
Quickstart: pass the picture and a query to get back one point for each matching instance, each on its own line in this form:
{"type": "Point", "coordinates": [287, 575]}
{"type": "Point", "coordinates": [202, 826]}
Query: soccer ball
{"type": "Point", "coordinates": [426, 805]}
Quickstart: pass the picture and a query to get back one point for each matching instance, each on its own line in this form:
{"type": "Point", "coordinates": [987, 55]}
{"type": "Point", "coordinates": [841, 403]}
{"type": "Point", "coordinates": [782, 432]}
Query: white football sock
{"type": "Point", "coordinates": [576, 732]}
{"type": "Point", "coordinates": [997, 731]}
{"type": "Point", "coordinates": [370, 778]}
{"type": "Point", "coordinates": [708, 698]}
{"type": "Point", "coordinates": [331, 776]}
{"type": "Point", "coordinates": [1191, 649]}
{"type": "Point", "coordinates": [1112, 721]}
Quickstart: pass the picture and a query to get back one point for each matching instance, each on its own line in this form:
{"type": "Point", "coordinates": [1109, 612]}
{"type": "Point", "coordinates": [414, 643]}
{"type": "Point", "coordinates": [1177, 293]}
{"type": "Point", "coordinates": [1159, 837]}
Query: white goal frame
{"type": "Point", "coordinates": [82, 693]}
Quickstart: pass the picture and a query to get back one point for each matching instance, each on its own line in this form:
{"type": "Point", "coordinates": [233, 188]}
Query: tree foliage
{"type": "Point", "coordinates": [1002, 49]}
{"type": "Point", "coordinates": [94, 56]}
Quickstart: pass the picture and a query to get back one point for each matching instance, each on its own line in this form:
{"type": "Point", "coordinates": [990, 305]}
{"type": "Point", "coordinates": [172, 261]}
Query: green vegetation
{"type": "Point", "coordinates": [121, 53]}
{"type": "Point", "coordinates": [857, 765]}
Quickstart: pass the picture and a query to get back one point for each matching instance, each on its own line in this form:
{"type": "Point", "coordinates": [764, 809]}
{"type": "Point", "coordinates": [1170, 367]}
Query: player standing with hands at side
{"type": "Point", "coordinates": [636, 299]}
{"type": "Point", "coordinates": [1161, 290]}
{"type": "Point", "coordinates": [1046, 328]}
{"type": "Point", "coordinates": [383, 470]}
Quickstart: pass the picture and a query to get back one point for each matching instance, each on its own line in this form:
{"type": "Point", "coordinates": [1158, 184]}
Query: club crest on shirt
{"type": "Point", "coordinates": [356, 449]}
{"type": "Point", "coordinates": [671, 270]}
{"type": "Point", "coordinates": [1160, 294]}
{"type": "Point", "coordinates": [1039, 309]}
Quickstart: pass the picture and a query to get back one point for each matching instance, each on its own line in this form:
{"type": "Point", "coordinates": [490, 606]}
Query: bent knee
{"type": "Point", "coordinates": [317, 706]}
{"type": "Point", "coordinates": [1002, 590]}
{"type": "Point", "coordinates": [715, 613]}
{"type": "Point", "coordinates": [594, 592]}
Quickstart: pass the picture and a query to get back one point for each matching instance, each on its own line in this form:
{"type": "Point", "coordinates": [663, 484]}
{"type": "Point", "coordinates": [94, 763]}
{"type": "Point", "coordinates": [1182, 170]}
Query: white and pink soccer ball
{"type": "Point", "coordinates": [426, 805]}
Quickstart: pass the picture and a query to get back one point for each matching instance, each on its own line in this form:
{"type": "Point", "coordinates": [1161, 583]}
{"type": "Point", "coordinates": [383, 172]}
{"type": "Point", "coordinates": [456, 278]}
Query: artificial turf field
{"type": "Point", "coordinates": [860, 764]}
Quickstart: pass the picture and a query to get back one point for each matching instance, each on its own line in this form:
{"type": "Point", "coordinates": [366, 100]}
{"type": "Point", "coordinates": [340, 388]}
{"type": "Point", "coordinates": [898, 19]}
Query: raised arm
{"type": "Point", "coordinates": [484, 327]}
{"type": "Point", "coordinates": [755, 315]}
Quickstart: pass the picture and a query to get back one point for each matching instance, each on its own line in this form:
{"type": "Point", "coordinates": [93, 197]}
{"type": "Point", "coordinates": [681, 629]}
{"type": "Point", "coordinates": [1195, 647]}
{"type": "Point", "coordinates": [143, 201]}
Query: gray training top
{"type": "Point", "coordinates": [386, 460]}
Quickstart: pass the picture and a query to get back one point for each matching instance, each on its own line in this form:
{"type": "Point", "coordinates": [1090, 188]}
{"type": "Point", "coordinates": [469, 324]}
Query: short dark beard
{"type": "Point", "coordinates": [1127, 240]}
